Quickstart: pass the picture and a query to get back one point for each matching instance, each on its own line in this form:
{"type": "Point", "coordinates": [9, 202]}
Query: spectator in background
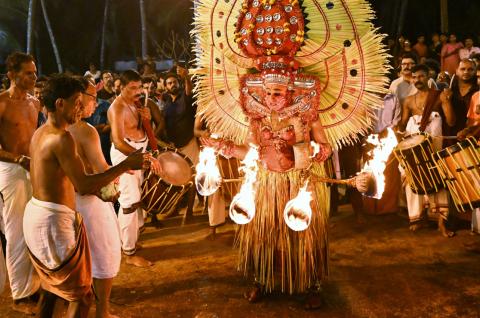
{"type": "Point", "coordinates": [443, 80]}
{"type": "Point", "coordinates": [140, 64]}
{"type": "Point", "coordinates": [117, 86]}
{"type": "Point", "coordinates": [449, 55]}
{"type": "Point", "coordinates": [407, 49]}
{"type": "Point", "coordinates": [38, 93]}
{"type": "Point", "coordinates": [93, 72]}
{"type": "Point", "coordinates": [107, 92]}
{"type": "Point", "coordinates": [469, 50]}
{"type": "Point", "coordinates": [420, 47]}
{"type": "Point", "coordinates": [402, 86]}
{"type": "Point", "coordinates": [435, 47]}
{"type": "Point", "coordinates": [149, 68]}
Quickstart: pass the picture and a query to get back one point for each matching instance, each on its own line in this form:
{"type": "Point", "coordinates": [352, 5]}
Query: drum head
{"type": "Point", "coordinates": [176, 169]}
{"type": "Point", "coordinates": [411, 141]}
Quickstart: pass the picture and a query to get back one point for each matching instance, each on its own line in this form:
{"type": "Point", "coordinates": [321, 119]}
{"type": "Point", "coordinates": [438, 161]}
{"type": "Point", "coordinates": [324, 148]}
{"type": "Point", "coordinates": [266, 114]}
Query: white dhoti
{"type": "Point", "coordinates": [103, 235]}
{"type": "Point", "coordinates": [16, 189]}
{"type": "Point", "coordinates": [437, 203]}
{"type": "Point", "coordinates": [55, 236]}
{"type": "Point", "coordinates": [130, 194]}
{"type": "Point", "coordinates": [3, 268]}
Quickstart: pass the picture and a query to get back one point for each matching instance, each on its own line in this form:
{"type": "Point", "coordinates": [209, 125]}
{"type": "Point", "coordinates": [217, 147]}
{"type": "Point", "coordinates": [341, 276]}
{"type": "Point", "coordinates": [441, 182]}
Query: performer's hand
{"type": "Point", "coordinates": [462, 134]}
{"type": "Point", "coordinates": [138, 160]}
{"type": "Point", "coordinates": [23, 161]}
{"type": "Point", "coordinates": [145, 113]}
{"type": "Point", "coordinates": [325, 152]}
{"type": "Point", "coordinates": [182, 72]}
{"type": "Point", "coordinates": [155, 165]}
{"type": "Point", "coordinates": [446, 95]}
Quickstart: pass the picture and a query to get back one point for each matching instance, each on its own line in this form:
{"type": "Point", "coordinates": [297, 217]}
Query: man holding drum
{"type": "Point", "coordinates": [128, 135]}
{"type": "Point", "coordinates": [426, 111]}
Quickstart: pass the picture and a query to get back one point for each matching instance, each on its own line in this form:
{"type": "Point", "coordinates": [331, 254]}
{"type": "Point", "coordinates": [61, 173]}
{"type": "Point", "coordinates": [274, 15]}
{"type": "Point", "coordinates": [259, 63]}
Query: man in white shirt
{"type": "Point", "coordinates": [468, 50]}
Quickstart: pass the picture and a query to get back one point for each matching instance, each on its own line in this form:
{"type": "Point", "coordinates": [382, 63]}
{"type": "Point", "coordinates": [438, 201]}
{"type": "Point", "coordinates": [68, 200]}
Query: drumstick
{"type": "Point", "coordinates": [445, 137]}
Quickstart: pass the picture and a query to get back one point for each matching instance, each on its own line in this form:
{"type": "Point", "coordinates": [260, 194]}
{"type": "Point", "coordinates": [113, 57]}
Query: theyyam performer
{"type": "Point", "coordinates": [270, 78]}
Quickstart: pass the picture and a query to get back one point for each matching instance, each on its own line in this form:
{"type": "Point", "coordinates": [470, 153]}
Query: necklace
{"type": "Point", "coordinates": [416, 105]}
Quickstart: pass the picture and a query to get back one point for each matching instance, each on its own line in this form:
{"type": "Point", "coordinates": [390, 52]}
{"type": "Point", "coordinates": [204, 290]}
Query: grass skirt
{"type": "Point", "coordinates": [276, 256]}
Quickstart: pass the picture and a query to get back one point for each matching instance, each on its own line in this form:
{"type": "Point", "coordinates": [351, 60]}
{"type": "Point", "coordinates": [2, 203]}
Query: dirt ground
{"type": "Point", "coordinates": [379, 269]}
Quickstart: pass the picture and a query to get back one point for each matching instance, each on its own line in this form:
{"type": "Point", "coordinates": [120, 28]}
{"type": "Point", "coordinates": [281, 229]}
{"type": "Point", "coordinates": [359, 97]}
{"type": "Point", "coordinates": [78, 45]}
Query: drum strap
{"type": "Point", "coordinates": [432, 98]}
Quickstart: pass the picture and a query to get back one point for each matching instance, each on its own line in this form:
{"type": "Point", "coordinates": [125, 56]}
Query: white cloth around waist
{"type": "Point", "coordinates": [49, 230]}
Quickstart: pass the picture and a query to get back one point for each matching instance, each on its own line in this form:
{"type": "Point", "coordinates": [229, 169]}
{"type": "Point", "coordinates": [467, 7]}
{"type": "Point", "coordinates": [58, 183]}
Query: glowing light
{"type": "Point", "coordinates": [242, 208]}
{"type": "Point", "coordinates": [375, 167]}
{"type": "Point", "coordinates": [208, 178]}
{"type": "Point", "coordinates": [298, 212]}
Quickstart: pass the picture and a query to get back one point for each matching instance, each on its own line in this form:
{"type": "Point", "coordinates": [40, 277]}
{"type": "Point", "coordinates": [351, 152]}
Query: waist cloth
{"type": "Point", "coordinates": [58, 246]}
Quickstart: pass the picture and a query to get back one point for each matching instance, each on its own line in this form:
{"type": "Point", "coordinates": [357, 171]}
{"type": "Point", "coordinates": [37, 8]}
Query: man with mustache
{"type": "Point", "coordinates": [107, 92]}
{"type": "Point", "coordinates": [18, 121]}
{"type": "Point", "coordinates": [129, 135]}
{"type": "Point", "coordinates": [426, 111]}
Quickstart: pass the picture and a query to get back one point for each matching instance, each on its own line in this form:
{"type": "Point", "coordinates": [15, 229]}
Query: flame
{"type": "Point", "coordinates": [242, 208]}
{"type": "Point", "coordinates": [298, 212]}
{"type": "Point", "coordinates": [376, 166]}
{"type": "Point", "coordinates": [208, 178]}
{"type": "Point", "coordinates": [315, 148]}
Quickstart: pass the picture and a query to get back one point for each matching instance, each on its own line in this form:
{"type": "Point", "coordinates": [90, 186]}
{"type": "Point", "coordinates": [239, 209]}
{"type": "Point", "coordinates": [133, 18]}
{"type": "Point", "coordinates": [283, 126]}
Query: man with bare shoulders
{"type": "Point", "coordinates": [99, 217]}
{"type": "Point", "coordinates": [426, 111]}
{"type": "Point", "coordinates": [18, 121]}
{"type": "Point", "coordinates": [54, 232]}
{"type": "Point", "coordinates": [128, 135]}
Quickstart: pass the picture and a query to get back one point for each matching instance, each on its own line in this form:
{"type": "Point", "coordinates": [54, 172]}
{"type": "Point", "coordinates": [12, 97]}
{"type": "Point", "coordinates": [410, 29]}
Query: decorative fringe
{"type": "Point", "coordinates": [342, 48]}
{"type": "Point", "coordinates": [277, 257]}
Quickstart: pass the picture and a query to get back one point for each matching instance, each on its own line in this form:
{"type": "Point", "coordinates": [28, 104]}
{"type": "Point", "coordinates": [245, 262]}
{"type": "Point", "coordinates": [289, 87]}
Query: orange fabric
{"type": "Point", "coordinates": [72, 279]}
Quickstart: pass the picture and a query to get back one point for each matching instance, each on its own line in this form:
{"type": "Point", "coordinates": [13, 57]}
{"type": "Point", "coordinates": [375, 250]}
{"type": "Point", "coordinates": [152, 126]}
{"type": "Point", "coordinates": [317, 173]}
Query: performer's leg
{"type": "Point", "coordinates": [415, 208]}
{"type": "Point", "coordinates": [46, 304]}
{"type": "Point", "coordinates": [129, 232]}
{"type": "Point", "coordinates": [216, 210]}
{"type": "Point", "coordinates": [16, 190]}
{"type": "Point", "coordinates": [80, 308]}
{"type": "Point", "coordinates": [476, 221]}
{"type": "Point", "coordinates": [103, 289]}
{"type": "Point", "coordinates": [439, 211]}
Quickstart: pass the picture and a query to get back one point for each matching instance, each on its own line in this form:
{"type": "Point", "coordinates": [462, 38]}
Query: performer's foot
{"type": "Point", "coordinates": [415, 227]}
{"type": "Point", "coordinates": [138, 261]}
{"type": "Point", "coordinates": [253, 294]}
{"type": "Point", "coordinates": [443, 229]}
{"type": "Point", "coordinates": [25, 306]}
{"type": "Point", "coordinates": [313, 301]}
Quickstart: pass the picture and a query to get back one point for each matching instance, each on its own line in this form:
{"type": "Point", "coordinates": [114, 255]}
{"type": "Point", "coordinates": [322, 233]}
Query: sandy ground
{"type": "Point", "coordinates": [379, 269]}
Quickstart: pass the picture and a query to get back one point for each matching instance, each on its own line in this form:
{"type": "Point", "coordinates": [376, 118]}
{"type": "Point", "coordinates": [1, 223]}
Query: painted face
{"type": "Point", "coordinates": [276, 96]}
{"type": "Point", "coordinates": [26, 78]}
{"type": "Point", "coordinates": [132, 91]}
{"type": "Point", "coordinates": [89, 100]}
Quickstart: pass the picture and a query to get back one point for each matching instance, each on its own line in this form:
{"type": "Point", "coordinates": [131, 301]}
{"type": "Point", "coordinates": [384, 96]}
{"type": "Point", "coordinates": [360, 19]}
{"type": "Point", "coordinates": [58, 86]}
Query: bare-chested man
{"type": "Point", "coordinates": [18, 121]}
{"type": "Point", "coordinates": [425, 111]}
{"type": "Point", "coordinates": [99, 217]}
{"type": "Point", "coordinates": [128, 135]}
{"type": "Point", "coordinates": [54, 232]}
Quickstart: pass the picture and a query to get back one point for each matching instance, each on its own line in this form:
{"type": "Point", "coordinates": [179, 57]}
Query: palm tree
{"type": "Point", "coordinates": [52, 37]}
{"type": "Point", "coordinates": [104, 31]}
{"type": "Point", "coordinates": [32, 6]}
{"type": "Point", "coordinates": [144, 27]}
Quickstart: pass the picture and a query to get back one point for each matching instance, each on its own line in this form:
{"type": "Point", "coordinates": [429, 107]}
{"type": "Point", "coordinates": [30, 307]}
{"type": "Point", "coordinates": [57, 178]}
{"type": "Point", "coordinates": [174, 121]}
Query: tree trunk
{"type": "Point", "coordinates": [104, 32]}
{"type": "Point", "coordinates": [444, 15]}
{"type": "Point", "coordinates": [52, 37]}
{"type": "Point", "coordinates": [144, 27]}
{"type": "Point", "coordinates": [32, 6]}
{"type": "Point", "coordinates": [403, 14]}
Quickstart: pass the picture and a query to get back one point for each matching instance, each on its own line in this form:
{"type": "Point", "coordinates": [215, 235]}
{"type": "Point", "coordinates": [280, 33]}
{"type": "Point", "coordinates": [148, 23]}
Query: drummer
{"type": "Point", "coordinates": [473, 130]}
{"type": "Point", "coordinates": [425, 111]}
{"type": "Point", "coordinates": [128, 135]}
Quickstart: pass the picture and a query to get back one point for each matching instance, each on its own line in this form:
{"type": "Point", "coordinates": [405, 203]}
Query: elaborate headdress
{"type": "Point", "coordinates": [333, 42]}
